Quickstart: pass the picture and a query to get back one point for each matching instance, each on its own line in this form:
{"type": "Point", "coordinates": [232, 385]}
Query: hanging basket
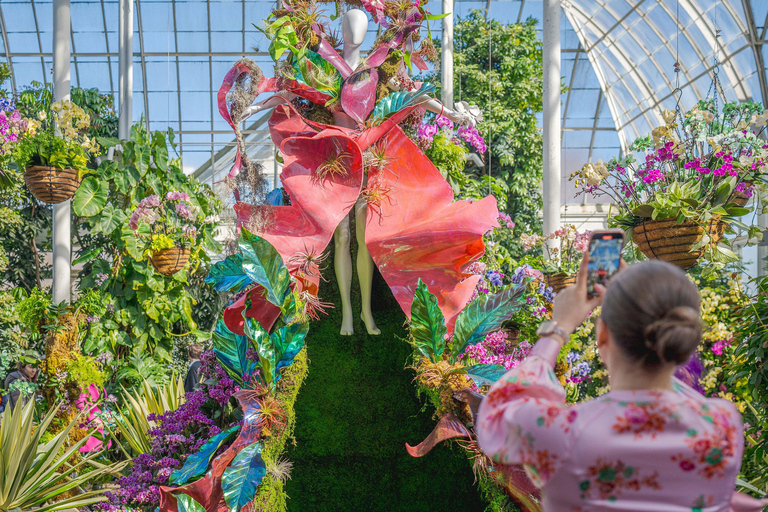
{"type": "Point", "coordinates": [560, 281]}
{"type": "Point", "coordinates": [51, 185]}
{"type": "Point", "coordinates": [513, 338]}
{"type": "Point", "coordinates": [740, 199]}
{"type": "Point", "coordinates": [666, 240]}
{"type": "Point", "coordinates": [170, 261]}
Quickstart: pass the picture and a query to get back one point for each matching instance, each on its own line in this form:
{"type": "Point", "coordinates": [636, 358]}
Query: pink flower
{"type": "Point", "coordinates": [177, 196]}
{"type": "Point", "coordinates": [653, 176]}
{"type": "Point", "coordinates": [635, 415]}
{"type": "Point", "coordinates": [532, 272]}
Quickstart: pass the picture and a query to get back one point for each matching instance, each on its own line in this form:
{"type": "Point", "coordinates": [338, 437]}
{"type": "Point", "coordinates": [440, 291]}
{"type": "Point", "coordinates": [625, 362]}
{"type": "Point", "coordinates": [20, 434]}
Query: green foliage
{"type": "Point", "coordinates": [509, 127]}
{"type": "Point", "coordinates": [85, 371]}
{"type": "Point", "coordinates": [449, 158]}
{"type": "Point", "coordinates": [32, 309]}
{"type": "Point", "coordinates": [46, 148]}
{"type": "Point", "coordinates": [427, 324]}
{"type": "Point", "coordinates": [24, 232]}
{"type": "Point", "coordinates": [749, 370]}
{"type": "Point", "coordinates": [36, 474]}
{"type": "Point", "coordinates": [264, 266]}
{"type": "Point", "coordinates": [145, 310]}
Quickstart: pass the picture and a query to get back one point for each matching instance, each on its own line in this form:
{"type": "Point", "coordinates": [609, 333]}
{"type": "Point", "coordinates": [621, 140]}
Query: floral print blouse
{"type": "Point", "coordinates": [649, 450]}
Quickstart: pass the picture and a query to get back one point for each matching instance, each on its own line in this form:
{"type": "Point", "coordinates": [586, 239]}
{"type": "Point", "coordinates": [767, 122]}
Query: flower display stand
{"type": "Point", "coordinates": [51, 185]}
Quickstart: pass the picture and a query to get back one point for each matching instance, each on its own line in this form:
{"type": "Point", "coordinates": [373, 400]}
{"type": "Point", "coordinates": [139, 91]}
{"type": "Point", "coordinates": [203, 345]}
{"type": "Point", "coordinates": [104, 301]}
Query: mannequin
{"type": "Point", "coordinates": [354, 30]}
{"type": "Point", "coordinates": [354, 27]}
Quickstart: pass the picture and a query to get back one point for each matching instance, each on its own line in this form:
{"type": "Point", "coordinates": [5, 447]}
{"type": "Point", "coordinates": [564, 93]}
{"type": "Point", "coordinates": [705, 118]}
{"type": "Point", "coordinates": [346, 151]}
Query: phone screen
{"type": "Point", "coordinates": [604, 258]}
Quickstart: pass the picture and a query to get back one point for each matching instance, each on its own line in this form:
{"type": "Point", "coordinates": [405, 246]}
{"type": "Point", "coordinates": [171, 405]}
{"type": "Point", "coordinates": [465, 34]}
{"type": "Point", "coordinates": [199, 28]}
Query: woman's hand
{"type": "Point", "coordinates": [572, 306]}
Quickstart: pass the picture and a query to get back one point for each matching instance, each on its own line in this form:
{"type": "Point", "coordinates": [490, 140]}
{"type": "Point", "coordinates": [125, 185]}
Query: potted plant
{"type": "Point", "coordinates": [55, 152]}
{"type": "Point", "coordinates": [165, 230]}
{"type": "Point", "coordinates": [678, 201]}
{"type": "Point", "coordinates": [562, 251]}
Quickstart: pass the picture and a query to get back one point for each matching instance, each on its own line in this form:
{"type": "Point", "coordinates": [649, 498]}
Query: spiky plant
{"type": "Point", "coordinates": [375, 157]}
{"type": "Point", "coordinates": [280, 469]}
{"type": "Point", "coordinates": [336, 164]}
{"type": "Point", "coordinates": [271, 414]}
{"type": "Point", "coordinates": [375, 194]}
{"type": "Point", "coordinates": [309, 261]}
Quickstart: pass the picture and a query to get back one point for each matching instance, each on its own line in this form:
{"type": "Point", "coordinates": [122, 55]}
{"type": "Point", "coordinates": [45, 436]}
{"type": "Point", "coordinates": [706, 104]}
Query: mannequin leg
{"type": "Point", "coordinates": [365, 266]}
{"type": "Point", "coordinates": [342, 264]}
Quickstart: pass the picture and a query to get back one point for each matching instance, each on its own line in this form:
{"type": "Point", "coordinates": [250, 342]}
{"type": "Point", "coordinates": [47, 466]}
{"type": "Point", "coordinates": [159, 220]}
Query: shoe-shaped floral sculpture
{"type": "Point", "coordinates": [335, 119]}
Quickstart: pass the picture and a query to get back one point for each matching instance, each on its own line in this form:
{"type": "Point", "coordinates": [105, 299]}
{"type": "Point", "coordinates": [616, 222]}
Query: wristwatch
{"type": "Point", "coordinates": [550, 327]}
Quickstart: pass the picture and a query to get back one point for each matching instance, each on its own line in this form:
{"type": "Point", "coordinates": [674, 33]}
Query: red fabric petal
{"type": "Point", "coordinates": [448, 427]}
{"type": "Point", "coordinates": [419, 232]}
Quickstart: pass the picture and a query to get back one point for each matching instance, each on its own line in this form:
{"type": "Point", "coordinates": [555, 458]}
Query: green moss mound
{"type": "Point", "coordinates": [355, 412]}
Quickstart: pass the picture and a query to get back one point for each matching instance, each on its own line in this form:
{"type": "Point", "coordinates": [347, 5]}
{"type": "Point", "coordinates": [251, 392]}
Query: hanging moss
{"type": "Point", "coordinates": [355, 413]}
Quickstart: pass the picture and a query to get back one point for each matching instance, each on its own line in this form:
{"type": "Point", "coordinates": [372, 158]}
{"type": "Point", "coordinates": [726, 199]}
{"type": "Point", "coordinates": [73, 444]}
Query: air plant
{"type": "Point", "coordinates": [375, 193]}
{"type": "Point", "coordinates": [280, 469]}
{"type": "Point", "coordinates": [271, 413]}
{"type": "Point", "coordinates": [481, 464]}
{"type": "Point", "coordinates": [310, 306]}
{"type": "Point", "coordinates": [309, 261]}
{"type": "Point", "coordinates": [335, 164]}
{"type": "Point", "coordinates": [376, 157]}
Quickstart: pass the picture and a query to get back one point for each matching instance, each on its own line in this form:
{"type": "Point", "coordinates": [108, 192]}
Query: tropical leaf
{"type": "Point", "coordinates": [228, 275]}
{"type": "Point", "coordinates": [427, 323]}
{"type": "Point", "coordinates": [484, 315]}
{"type": "Point", "coordinates": [89, 255]}
{"type": "Point", "coordinates": [132, 242]}
{"type": "Point", "coordinates": [243, 476]}
{"type": "Point", "coordinates": [108, 220]}
{"type": "Point", "coordinates": [187, 503]}
{"type": "Point", "coordinates": [318, 73]}
{"type": "Point", "coordinates": [263, 265]}
{"type": "Point", "coordinates": [485, 374]}
{"type": "Point", "coordinates": [91, 197]}
{"type": "Point", "coordinates": [275, 350]}
{"type": "Point", "coordinates": [197, 464]}
{"type": "Point", "coordinates": [289, 340]}
{"type": "Point", "coordinates": [231, 351]}
{"type": "Point", "coordinates": [397, 101]}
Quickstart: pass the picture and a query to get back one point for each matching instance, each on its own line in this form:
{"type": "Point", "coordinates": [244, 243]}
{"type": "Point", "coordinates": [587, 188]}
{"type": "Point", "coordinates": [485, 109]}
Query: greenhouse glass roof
{"type": "Point", "coordinates": [618, 62]}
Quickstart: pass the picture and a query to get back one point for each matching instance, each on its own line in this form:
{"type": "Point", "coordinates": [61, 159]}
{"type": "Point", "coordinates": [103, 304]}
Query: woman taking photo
{"type": "Point", "coordinates": [651, 443]}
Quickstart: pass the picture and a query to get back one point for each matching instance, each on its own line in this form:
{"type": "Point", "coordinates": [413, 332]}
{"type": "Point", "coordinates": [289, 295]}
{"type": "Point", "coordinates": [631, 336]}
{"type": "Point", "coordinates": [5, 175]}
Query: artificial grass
{"type": "Point", "coordinates": [355, 412]}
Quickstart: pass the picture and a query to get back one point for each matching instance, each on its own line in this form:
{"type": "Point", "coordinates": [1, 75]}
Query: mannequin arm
{"type": "Point", "coordinates": [434, 105]}
{"type": "Point", "coordinates": [269, 103]}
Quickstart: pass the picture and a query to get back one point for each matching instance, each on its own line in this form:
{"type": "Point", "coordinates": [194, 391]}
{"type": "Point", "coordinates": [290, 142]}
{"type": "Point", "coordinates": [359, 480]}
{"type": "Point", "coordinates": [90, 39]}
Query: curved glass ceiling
{"type": "Point", "coordinates": [618, 63]}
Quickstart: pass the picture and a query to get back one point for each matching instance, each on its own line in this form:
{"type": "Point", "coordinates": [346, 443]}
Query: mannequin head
{"type": "Point", "coordinates": [354, 26]}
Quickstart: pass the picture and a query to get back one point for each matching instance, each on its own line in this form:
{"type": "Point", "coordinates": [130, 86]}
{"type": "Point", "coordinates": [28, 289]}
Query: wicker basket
{"type": "Point", "coordinates": [170, 261]}
{"type": "Point", "coordinates": [513, 338]}
{"type": "Point", "coordinates": [666, 240]}
{"type": "Point", "coordinates": [560, 281]}
{"type": "Point", "coordinates": [51, 185]}
{"type": "Point", "coordinates": [740, 199]}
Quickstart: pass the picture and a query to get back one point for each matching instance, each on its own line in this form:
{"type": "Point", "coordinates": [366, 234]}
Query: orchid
{"type": "Point", "coordinates": [697, 166]}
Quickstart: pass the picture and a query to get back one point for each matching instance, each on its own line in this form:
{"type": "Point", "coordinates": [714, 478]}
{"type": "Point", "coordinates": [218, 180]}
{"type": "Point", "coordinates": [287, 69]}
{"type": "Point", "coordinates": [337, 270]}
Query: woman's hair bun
{"type": "Point", "coordinates": [674, 337]}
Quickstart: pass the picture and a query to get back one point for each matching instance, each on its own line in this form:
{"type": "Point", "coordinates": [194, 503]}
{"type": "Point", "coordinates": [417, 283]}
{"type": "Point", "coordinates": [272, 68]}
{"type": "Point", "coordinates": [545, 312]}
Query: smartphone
{"type": "Point", "coordinates": [604, 257]}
